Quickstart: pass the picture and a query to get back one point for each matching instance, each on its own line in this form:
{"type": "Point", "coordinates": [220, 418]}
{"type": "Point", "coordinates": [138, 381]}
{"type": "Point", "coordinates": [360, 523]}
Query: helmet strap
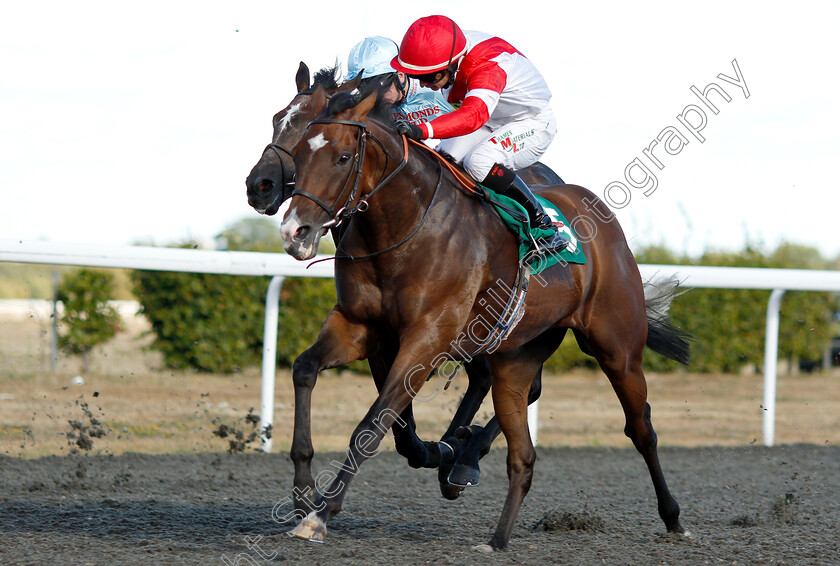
{"type": "Point", "coordinates": [452, 69]}
{"type": "Point", "coordinates": [402, 86]}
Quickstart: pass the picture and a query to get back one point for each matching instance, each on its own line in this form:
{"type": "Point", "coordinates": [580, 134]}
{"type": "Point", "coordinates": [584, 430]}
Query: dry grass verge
{"type": "Point", "coordinates": [142, 408]}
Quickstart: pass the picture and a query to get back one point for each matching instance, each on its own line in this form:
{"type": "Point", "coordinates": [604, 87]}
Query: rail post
{"type": "Point", "coordinates": [269, 361]}
{"type": "Point", "coordinates": [771, 358]}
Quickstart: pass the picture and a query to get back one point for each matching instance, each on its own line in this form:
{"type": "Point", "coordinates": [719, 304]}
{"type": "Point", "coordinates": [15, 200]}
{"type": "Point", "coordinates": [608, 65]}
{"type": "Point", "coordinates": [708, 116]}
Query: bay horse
{"type": "Point", "coordinates": [271, 182]}
{"type": "Point", "coordinates": [426, 259]}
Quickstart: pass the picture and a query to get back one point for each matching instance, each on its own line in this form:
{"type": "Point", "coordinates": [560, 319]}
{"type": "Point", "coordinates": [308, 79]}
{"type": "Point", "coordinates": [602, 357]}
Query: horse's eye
{"type": "Point", "coordinates": [344, 159]}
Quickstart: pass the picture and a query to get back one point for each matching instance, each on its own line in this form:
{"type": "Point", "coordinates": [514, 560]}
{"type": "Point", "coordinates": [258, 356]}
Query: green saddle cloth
{"type": "Point", "coordinates": [504, 206]}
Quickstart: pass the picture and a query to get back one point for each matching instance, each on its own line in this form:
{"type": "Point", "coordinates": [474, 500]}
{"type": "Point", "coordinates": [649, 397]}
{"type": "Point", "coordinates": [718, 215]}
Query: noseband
{"type": "Point", "coordinates": [277, 148]}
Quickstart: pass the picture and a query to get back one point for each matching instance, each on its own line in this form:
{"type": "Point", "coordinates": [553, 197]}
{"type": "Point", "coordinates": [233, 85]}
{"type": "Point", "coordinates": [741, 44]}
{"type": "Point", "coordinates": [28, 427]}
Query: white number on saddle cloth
{"type": "Point", "coordinates": [561, 227]}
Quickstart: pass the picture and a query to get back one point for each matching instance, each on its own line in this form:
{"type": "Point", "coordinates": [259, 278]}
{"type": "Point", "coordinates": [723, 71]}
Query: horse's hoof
{"type": "Point", "coordinates": [311, 528]}
{"type": "Point", "coordinates": [450, 492]}
{"type": "Point", "coordinates": [673, 535]}
{"type": "Point", "coordinates": [463, 476]}
{"type": "Point", "coordinates": [483, 548]}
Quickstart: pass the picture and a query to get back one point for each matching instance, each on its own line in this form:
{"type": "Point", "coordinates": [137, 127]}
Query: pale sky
{"type": "Point", "coordinates": [122, 122]}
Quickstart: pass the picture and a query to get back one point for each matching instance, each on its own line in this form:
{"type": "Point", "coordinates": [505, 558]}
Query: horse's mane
{"type": "Point", "coordinates": [327, 77]}
{"type": "Point", "coordinates": [381, 111]}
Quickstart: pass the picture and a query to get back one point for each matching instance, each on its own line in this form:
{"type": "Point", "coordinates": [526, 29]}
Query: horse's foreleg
{"type": "Point", "coordinates": [478, 385]}
{"type": "Point", "coordinates": [419, 454]}
{"type": "Point", "coordinates": [407, 375]}
{"type": "Point", "coordinates": [340, 342]}
{"type": "Point", "coordinates": [441, 455]}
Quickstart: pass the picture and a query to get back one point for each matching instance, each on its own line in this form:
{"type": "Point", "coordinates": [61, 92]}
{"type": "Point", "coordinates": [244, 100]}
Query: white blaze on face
{"type": "Point", "coordinates": [317, 142]}
{"type": "Point", "coordinates": [284, 123]}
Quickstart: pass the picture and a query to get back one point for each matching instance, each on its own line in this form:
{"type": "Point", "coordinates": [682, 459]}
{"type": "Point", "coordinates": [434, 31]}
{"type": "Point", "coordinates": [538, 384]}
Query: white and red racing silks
{"type": "Point", "coordinates": [495, 85]}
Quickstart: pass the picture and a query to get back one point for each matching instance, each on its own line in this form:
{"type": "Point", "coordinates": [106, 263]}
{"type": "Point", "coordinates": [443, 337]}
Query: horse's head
{"type": "Point", "coordinates": [333, 172]}
{"type": "Point", "coordinates": [272, 179]}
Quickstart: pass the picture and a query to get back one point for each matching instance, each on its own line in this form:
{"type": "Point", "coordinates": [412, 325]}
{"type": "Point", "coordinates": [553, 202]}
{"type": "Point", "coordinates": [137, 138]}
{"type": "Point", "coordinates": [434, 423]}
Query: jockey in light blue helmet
{"type": "Point", "coordinates": [411, 103]}
{"type": "Point", "coordinates": [370, 57]}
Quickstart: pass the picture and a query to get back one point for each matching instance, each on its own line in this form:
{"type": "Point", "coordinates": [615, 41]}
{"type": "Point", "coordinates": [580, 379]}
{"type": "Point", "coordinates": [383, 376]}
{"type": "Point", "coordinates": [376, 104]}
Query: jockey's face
{"type": "Point", "coordinates": [393, 95]}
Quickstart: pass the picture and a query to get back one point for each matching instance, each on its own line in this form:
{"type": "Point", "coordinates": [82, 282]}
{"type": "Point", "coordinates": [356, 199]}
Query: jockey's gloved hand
{"type": "Point", "coordinates": [409, 130]}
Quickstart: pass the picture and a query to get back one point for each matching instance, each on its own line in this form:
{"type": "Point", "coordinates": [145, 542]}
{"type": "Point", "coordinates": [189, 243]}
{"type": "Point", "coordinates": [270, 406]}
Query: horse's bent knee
{"type": "Point", "coordinates": [305, 370]}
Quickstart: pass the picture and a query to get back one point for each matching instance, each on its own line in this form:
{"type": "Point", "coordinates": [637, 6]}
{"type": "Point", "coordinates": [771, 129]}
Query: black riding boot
{"type": "Point", "coordinates": [506, 182]}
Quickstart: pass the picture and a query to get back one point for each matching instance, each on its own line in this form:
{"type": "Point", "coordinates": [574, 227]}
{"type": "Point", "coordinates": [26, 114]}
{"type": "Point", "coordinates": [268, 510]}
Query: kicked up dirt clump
{"type": "Point", "coordinates": [559, 520]}
{"type": "Point", "coordinates": [239, 440]}
{"type": "Point", "coordinates": [81, 433]}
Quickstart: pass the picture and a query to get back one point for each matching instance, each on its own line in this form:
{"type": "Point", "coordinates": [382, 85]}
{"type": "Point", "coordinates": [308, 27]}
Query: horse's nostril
{"type": "Point", "coordinates": [265, 185]}
{"type": "Point", "coordinates": [301, 232]}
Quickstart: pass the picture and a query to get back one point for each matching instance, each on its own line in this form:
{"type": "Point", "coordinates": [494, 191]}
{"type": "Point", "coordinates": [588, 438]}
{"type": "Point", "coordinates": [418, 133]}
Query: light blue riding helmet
{"type": "Point", "coordinates": [373, 54]}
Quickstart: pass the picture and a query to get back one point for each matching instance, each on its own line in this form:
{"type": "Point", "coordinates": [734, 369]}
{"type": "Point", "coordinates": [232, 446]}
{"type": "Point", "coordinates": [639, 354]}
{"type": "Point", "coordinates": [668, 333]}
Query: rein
{"type": "Point", "coordinates": [464, 181]}
{"type": "Point", "coordinates": [467, 184]}
{"type": "Point", "coordinates": [407, 238]}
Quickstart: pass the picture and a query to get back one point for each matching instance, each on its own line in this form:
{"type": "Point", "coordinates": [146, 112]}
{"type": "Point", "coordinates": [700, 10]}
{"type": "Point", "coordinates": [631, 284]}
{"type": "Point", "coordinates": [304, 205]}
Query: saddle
{"type": "Point", "coordinates": [516, 219]}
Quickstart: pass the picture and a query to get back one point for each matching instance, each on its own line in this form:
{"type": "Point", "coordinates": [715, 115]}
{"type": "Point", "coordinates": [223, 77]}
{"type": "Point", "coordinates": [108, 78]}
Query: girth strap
{"type": "Point", "coordinates": [514, 310]}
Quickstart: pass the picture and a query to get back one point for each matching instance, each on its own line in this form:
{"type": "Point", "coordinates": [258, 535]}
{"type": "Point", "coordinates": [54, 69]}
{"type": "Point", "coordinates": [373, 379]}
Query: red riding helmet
{"type": "Point", "coordinates": [429, 46]}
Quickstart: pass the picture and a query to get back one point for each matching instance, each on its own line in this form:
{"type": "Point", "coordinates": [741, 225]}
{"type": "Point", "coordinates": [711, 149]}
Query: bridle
{"type": "Point", "coordinates": [341, 208]}
{"type": "Point", "coordinates": [277, 148]}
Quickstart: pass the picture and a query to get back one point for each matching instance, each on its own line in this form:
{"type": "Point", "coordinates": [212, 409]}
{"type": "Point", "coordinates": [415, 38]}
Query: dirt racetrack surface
{"type": "Point", "coordinates": [746, 505]}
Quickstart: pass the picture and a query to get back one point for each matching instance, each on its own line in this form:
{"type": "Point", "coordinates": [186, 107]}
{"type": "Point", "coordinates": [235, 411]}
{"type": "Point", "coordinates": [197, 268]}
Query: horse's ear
{"type": "Point", "coordinates": [353, 83]}
{"type": "Point", "coordinates": [319, 100]}
{"type": "Point", "coordinates": [361, 110]}
{"type": "Point", "coordinates": [302, 77]}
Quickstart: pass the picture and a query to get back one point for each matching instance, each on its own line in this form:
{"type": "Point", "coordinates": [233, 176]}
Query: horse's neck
{"type": "Point", "coordinates": [457, 222]}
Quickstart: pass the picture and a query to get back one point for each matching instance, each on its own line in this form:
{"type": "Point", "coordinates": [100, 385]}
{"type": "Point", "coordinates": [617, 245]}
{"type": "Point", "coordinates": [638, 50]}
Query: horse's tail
{"type": "Point", "coordinates": [663, 337]}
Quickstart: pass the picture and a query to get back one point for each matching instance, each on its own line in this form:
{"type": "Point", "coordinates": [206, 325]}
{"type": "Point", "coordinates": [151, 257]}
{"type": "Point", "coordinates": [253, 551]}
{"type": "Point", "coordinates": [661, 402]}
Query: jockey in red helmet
{"type": "Point", "coordinates": [503, 119]}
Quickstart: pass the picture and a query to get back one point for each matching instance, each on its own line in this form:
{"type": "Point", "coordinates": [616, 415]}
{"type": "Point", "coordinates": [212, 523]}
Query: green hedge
{"type": "Point", "coordinates": [304, 305]}
{"type": "Point", "coordinates": [215, 323]}
{"type": "Point", "coordinates": [206, 322]}
{"type": "Point", "coordinates": [729, 324]}
{"type": "Point", "coordinates": [88, 320]}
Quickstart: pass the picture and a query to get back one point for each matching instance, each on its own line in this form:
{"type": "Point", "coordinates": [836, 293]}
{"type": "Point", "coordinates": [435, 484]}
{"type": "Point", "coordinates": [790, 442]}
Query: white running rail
{"type": "Point", "coordinates": [280, 265]}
